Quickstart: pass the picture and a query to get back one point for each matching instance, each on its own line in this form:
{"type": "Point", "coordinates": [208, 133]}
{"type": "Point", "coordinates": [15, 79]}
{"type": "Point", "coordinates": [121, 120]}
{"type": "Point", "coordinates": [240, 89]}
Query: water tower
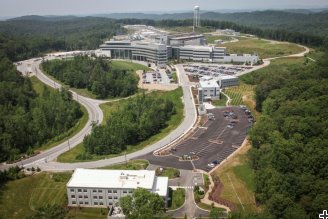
{"type": "Point", "coordinates": [196, 17]}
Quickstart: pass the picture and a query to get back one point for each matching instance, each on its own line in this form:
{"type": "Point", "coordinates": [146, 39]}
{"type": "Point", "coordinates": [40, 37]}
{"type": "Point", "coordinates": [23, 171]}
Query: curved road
{"type": "Point", "coordinates": [46, 159]}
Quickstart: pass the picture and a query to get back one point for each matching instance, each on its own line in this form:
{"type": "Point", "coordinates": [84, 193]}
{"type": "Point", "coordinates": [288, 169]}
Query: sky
{"type": "Point", "coordinates": [84, 7]}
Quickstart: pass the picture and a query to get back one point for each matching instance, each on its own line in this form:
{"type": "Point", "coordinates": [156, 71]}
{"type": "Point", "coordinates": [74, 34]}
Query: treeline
{"type": "Point", "coordinates": [29, 120]}
{"type": "Point", "coordinates": [290, 142]}
{"type": "Point", "coordinates": [133, 122]}
{"type": "Point", "coordinates": [95, 74]}
{"type": "Point", "coordinates": [31, 36]}
{"type": "Point", "coordinates": [274, 34]}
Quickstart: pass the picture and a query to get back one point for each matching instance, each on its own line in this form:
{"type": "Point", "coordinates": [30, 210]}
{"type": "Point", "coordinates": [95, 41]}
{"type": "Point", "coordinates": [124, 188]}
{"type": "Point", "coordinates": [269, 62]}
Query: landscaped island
{"type": "Point", "coordinates": [100, 77]}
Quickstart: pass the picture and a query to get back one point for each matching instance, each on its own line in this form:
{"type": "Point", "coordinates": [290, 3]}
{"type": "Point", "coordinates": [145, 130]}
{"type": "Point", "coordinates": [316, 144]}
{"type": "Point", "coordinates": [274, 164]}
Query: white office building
{"type": "Point", "coordinates": [208, 90]}
{"type": "Point", "coordinates": [103, 188]}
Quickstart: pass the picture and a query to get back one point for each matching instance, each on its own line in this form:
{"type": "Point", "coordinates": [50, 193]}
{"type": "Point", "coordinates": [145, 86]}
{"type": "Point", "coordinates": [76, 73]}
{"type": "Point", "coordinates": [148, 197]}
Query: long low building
{"type": "Point", "coordinates": [140, 51]}
{"type": "Point", "coordinates": [103, 188]}
{"type": "Point", "coordinates": [159, 53]}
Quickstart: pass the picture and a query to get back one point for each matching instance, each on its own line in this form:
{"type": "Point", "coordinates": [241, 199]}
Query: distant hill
{"type": "Point", "coordinates": [42, 18]}
{"type": "Point", "coordinates": [305, 21]}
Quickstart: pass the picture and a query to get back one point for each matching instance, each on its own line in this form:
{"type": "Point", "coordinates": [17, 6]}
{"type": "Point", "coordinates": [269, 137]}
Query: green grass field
{"type": "Point", "coordinates": [169, 172]}
{"type": "Point", "coordinates": [220, 102]}
{"type": "Point", "coordinates": [188, 29]}
{"type": "Point", "coordinates": [236, 93]}
{"type": "Point", "coordinates": [175, 120]}
{"type": "Point", "coordinates": [177, 198]}
{"type": "Point", "coordinates": [130, 165]}
{"type": "Point", "coordinates": [38, 86]}
{"type": "Point", "coordinates": [264, 48]}
{"type": "Point", "coordinates": [211, 38]}
{"type": "Point", "coordinates": [237, 177]}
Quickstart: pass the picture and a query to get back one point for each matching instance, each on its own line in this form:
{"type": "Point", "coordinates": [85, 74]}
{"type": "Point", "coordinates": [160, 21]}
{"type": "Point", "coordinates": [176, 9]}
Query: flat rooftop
{"type": "Point", "coordinates": [128, 179]}
{"type": "Point", "coordinates": [209, 83]}
{"type": "Point", "coordinates": [226, 77]}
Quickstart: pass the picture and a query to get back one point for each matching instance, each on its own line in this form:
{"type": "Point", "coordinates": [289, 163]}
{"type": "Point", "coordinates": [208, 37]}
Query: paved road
{"type": "Point", "coordinates": [92, 106]}
{"type": "Point", "coordinates": [46, 159]}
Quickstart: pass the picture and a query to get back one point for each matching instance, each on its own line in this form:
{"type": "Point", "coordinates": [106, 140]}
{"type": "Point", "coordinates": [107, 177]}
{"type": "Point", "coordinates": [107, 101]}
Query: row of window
{"type": "Point", "coordinates": [95, 197]}
{"type": "Point", "coordinates": [100, 190]}
{"type": "Point", "coordinates": [87, 203]}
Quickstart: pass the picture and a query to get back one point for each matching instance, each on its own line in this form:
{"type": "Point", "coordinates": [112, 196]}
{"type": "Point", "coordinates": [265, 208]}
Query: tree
{"type": "Point", "coordinates": [142, 204]}
{"type": "Point", "coordinates": [49, 212]}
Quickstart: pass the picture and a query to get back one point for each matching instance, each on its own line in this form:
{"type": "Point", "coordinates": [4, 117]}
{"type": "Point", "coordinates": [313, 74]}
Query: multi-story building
{"type": "Point", "coordinates": [208, 90]}
{"type": "Point", "coordinates": [202, 53]}
{"type": "Point", "coordinates": [103, 188]}
{"type": "Point", "coordinates": [228, 81]}
{"type": "Point", "coordinates": [136, 50]}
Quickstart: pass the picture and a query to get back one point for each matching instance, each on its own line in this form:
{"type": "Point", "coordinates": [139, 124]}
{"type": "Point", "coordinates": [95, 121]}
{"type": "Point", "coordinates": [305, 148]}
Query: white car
{"type": "Point", "coordinates": [211, 165]}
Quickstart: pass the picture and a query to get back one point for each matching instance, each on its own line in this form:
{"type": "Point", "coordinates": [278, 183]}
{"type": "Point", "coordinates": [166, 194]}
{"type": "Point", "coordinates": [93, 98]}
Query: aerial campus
{"type": "Point", "coordinates": [182, 115]}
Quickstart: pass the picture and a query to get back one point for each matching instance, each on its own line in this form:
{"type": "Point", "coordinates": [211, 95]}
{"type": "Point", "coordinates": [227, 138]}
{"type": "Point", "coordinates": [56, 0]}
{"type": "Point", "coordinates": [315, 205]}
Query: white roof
{"type": "Point", "coordinates": [128, 179]}
{"type": "Point", "coordinates": [160, 186]}
{"type": "Point", "coordinates": [226, 77]}
{"type": "Point", "coordinates": [208, 84]}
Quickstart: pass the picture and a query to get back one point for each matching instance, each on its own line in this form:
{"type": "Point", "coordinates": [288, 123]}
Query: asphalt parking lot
{"type": "Point", "coordinates": [215, 70]}
{"type": "Point", "coordinates": [156, 77]}
{"type": "Point", "coordinates": [211, 144]}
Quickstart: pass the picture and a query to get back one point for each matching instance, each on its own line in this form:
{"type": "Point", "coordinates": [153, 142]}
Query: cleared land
{"type": "Point", "coordinates": [38, 86]}
{"type": "Point", "coordinates": [237, 178]}
{"type": "Point", "coordinates": [169, 172]}
{"type": "Point", "coordinates": [264, 48]}
{"type": "Point", "coordinates": [211, 38]}
{"type": "Point", "coordinates": [78, 154]}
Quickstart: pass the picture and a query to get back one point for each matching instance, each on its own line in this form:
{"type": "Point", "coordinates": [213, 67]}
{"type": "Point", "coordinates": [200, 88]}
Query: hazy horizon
{"type": "Point", "coordinates": [14, 8]}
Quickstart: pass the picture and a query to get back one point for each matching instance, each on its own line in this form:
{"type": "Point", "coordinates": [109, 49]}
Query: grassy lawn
{"type": "Point", "coordinates": [206, 182]}
{"type": "Point", "coordinates": [175, 77]}
{"type": "Point", "coordinates": [36, 191]}
{"type": "Point", "coordinates": [189, 29]}
{"type": "Point", "coordinates": [177, 198]}
{"type": "Point", "coordinates": [38, 86]}
{"type": "Point", "coordinates": [208, 207]}
{"type": "Point", "coordinates": [130, 165]}
{"type": "Point", "coordinates": [221, 102]}
{"type": "Point", "coordinates": [238, 177]}
{"type": "Point", "coordinates": [173, 123]}
{"type": "Point", "coordinates": [264, 48]}
{"type": "Point", "coordinates": [169, 172]}
{"type": "Point", "coordinates": [210, 38]}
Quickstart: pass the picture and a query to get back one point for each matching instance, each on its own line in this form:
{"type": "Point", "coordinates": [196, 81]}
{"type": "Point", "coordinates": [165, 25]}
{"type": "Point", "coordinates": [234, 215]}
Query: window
{"type": "Point", "coordinates": [130, 191]}
{"type": "Point", "coordinates": [95, 197]}
{"type": "Point", "coordinates": [99, 190]}
{"type": "Point", "coordinates": [84, 190]}
{"type": "Point", "coordinates": [81, 203]}
{"type": "Point", "coordinates": [73, 202]}
{"type": "Point", "coordinates": [110, 191]}
{"type": "Point", "coordinates": [85, 196]}
{"type": "Point", "coordinates": [114, 191]}
{"type": "Point", "coordinates": [100, 197]}
{"type": "Point", "coordinates": [115, 197]}
{"type": "Point", "coordinates": [73, 196]}
{"type": "Point", "coordinates": [94, 190]}
{"type": "Point", "coordinates": [100, 203]}
{"type": "Point", "coordinates": [80, 196]}
{"type": "Point", "coordinates": [96, 203]}
{"type": "Point", "coordinates": [110, 203]}
{"type": "Point", "coordinates": [124, 191]}
{"type": "Point", "coordinates": [110, 197]}
{"type": "Point", "coordinates": [86, 203]}
{"type": "Point", "coordinates": [72, 190]}
{"type": "Point", "coordinates": [79, 190]}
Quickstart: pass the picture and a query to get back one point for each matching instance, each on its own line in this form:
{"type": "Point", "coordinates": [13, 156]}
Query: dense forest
{"type": "Point", "coordinates": [94, 74]}
{"type": "Point", "coordinates": [134, 121]}
{"type": "Point", "coordinates": [306, 22]}
{"type": "Point", "coordinates": [30, 36]}
{"type": "Point", "coordinates": [29, 120]}
{"type": "Point", "coordinates": [290, 143]}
